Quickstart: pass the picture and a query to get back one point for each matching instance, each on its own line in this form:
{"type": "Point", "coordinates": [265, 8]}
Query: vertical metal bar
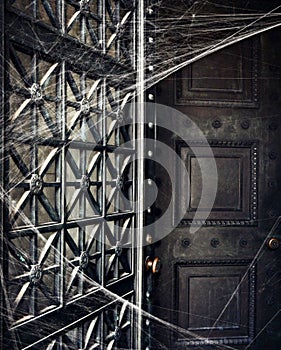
{"type": "Point", "coordinates": [140, 167]}
{"type": "Point", "coordinates": [82, 160]}
{"type": "Point", "coordinates": [151, 131]}
{"type": "Point", "coordinates": [59, 199]}
{"type": "Point", "coordinates": [62, 252]}
{"type": "Point", "coordinates": [58, 174]}
{"type": "Point", "coordinates": [33, 200]}
{"type": "Point", "coordinates": [102, 31]}
{"type": "Point", "coordinates": [118, 164]}
{"type": "Point", "coordinates": [2, 111]}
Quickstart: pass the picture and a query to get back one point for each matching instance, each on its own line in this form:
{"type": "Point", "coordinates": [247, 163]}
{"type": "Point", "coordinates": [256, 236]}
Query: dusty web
{"type": "Point", "coordinates": [64, 123]}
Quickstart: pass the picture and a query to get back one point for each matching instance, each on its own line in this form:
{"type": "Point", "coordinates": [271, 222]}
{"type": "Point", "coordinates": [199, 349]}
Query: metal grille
{"type": "Point", "coordinates": [70, 69]}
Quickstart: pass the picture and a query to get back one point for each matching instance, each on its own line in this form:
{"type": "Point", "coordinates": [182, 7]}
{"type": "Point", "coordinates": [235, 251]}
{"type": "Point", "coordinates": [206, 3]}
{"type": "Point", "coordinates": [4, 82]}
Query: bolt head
{"type": "Point", "coordinates": [85, 182]}
{"type": "Point", "coordinates": [36, 274]}
{"type": "Point", "coordinates": [117, 333]}
{"type": "Point", "coordinates": [118, 249]}
{"type": "Point", "coordinates": [36, 92]}
{"type": "Point", "coordinates": [36, 184]}
{"type": "Point", "coordinates": [85, 106]}
{"type": "Point", "coordinates": [84, 260]}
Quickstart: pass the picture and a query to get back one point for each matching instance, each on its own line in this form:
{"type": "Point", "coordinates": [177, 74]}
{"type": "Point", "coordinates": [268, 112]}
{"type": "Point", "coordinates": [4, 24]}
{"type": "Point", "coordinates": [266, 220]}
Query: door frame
{"type": "Point", "coordinates": [140, 43]}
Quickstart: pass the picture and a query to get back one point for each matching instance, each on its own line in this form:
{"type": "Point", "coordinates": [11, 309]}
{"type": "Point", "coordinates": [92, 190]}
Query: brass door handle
{"type": "Point", "coordinates": [273, 243]}
{"type": "Point", "coordinates": [153, 264]}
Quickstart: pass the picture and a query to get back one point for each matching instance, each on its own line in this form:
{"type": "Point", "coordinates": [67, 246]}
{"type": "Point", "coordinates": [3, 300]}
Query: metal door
{"type": "Point", "coordinates": [219, 288]}
{"type": "Point", "coordinates": [68, 189]}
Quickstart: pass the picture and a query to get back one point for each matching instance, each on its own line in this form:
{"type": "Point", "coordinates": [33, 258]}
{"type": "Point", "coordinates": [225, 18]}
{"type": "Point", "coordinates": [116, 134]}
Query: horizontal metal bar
{"type": "Point", "coordinates": [55, 45]}
{"type": "Point", "coordinates": [53, 324]}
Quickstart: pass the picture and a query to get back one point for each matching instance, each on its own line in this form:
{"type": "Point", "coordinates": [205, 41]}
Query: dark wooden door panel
{"type": "Point", "coordinates": [219, 287]}
{"type": "Point", "coordinates": [236, 197]}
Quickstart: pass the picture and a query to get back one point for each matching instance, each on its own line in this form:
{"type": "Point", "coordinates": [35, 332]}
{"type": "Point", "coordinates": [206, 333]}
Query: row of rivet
{"type": "Point", "coordinates": [245, 124]}
{"type": "Point", "coordinates": [215, 242]}
{"type": "Point", "coordinates": [150, 96]}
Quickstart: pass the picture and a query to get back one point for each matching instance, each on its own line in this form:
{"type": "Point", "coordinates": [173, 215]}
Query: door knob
{"type": "Point", "coordinates": [153, 264]}
{"type": "Point", "coordinates": [273, 243]}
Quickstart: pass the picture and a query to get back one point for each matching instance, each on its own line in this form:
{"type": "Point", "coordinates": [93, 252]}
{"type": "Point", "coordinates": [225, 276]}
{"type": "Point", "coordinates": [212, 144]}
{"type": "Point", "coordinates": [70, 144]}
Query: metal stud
{"type": "Point", "coordinates": [84, 5]}
{"type": "Point", "coordinates": [36, 92]}
{"type": "Point", "coordinates": [215, 242]}
{"type": "Point", "coordinates": [120, 182]}
{"type": "Point", "coordinates": [185, 243]}
{"type": "Point", "coordinates": [36, 184]}
{"type": "Point", "coordinates": [245, 124]}
{"type": "Point", "coordinates": [84, 260]}
{"type": "Point", "coordinates": [85, 106]}
{"type": "Point", "coordinates": [85, 182]}
{"type": "Point", "coordinates": [117, 333]}
{"type": "Point", "coordinates": [36, 274]}
{"type": "Point", "coordinates": [272, 155]}
{"type": "Point", "coordinates": [118, 249]}
{"type": "Point", "coordinates": [216, 124]}
{"type": "Point", "coordinates": [243, 243]}
{"type": "Point", "coordinates": [149, 11]}
{"type": "Point", "coordinates": [149, 238]}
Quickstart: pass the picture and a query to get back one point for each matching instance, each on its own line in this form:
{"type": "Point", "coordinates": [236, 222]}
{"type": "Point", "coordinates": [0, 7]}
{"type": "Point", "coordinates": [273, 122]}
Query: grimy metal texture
{"type": "Point", "coordinates": [219, 286]}
{"type": "Point", "coordinates": [69, 67]}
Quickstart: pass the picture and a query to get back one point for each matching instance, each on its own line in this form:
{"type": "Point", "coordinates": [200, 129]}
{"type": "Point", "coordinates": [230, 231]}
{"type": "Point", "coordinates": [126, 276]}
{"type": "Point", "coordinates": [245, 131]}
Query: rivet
{"type": "Point", "coordinates": [185, 243]}
{"type": "Point", "coordinates": [148, 238]}
{"type": "Point", "coordinates": [118, 249]}
{"type": "Point", "coordinates": [117, 333]}
{"type": "Point", "coordinates": [149, 210]}
{"type": "Point", "coordinates": [84, 182]}
{"type": "Point", "coordinates": [149, 10]}
{"type": "Point", "coordinates": [272, 126]}
{"type": "Point", "coordinates": [150, 182]}
{"type": "Point", "coordinates": [120, 182]}
{"type": "Point", "coordinates": [243, 243]}
{"type": "Point", "coordinates": [36, 184]}
{"type": "Point", "coordinates": [150, 153]}
{"type": "Point", "coordinates": [36, 274]}
{"type": "Point", "coordinates": [245, 124]}
{"type": "Point", "coordinates": [147, 294]}
{"type": "Point", "coordinates": [272, 155]}
{"type": "Point", "coordinates": [84, 260]}
{"type": "Point", "coordinates": [36, 92]}
{"type": "Point", "coordinates": [120, 116]}
{"type": "Point", "coordinates": [151, 97]}
{"type": "Point", "coordinates": [85, 106]}
{"type": "Point", "coordinates": [84, 4]}
{"type": "Point", "coordinates": [272, 184]}
{"type": "Point", "coordinates": [216, 124]}
{"type": "Point", "coordinates": [147, 322]}
{"type": "Point", "coordinates": [215, 242]}
{"type": "Point", "coordinates": [150, 40]}
{"type": "Point", "coordinates": [150, 125]}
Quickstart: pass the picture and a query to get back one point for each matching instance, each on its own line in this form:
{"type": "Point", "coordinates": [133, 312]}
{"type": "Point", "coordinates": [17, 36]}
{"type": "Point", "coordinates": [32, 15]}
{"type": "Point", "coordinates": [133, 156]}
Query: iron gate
{"type": "Point", "coordinates": [69, 68]}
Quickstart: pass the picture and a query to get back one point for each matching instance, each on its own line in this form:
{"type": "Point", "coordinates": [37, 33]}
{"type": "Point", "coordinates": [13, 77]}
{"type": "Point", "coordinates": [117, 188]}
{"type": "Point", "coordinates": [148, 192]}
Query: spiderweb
{"type": "Point", "coordinates": [83, 272]}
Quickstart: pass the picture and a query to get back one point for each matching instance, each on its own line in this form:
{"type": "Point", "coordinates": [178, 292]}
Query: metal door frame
{"type": "Point", "coordinates": [139, 210]}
